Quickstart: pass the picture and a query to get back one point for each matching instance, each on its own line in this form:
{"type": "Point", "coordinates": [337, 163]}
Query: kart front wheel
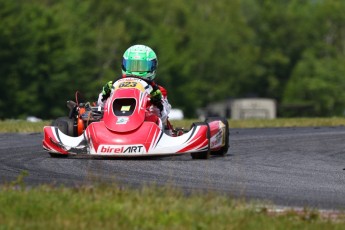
{"type": "Point", "coordinates": [201, 155]}
{"type": "Point", "coordinates": [65, 125]}
{"type": "Point", "coordinates": [56, 155]}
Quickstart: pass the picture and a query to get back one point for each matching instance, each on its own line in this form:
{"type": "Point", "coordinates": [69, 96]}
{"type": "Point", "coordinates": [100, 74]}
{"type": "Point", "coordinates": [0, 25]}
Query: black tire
{"type": "Point", "coordinates": [223, 151]}
{"type": "Point", "coordinates": [56, 155]}
{"type": "Point", "coordinates": [65, 125]}
{"type": "Point", "coordinates": [201, 155]}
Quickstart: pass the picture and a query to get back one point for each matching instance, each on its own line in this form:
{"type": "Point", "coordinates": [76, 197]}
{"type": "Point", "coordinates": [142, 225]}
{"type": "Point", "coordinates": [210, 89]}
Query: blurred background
{"type": "Point", "coordinates": [209, 52]}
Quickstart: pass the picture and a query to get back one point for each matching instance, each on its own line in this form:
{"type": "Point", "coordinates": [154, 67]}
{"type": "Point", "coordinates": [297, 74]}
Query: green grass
{"type": "Point", "coordinates": [279, 122]}
{"type": "Point", "coordinates": [114, 207]}
{"type": "Point", "coordinates": [23, 126]}
{"type": "Point", "coordinates": [16, 126]}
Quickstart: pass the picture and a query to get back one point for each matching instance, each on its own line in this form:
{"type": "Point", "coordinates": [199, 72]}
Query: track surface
{"type": "Point", "coordinates": [288, 166]}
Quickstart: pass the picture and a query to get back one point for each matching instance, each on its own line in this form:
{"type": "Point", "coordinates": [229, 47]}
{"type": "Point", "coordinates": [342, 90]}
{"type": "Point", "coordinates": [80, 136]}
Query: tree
{"type": "Point", "coordinates": [318, 79]}
{"type": "Point", "coordinates": [318, 83]}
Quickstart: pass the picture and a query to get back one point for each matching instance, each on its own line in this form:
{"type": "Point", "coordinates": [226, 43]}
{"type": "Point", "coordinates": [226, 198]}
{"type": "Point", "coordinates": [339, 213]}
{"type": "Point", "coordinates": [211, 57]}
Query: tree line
{"type": "Point", "coordinates": [292, 51]}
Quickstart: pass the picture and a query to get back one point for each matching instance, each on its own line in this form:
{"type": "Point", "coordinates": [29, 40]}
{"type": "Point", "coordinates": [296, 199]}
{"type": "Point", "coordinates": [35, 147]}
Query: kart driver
{"type": "Point", "coordinates": [140, 61]}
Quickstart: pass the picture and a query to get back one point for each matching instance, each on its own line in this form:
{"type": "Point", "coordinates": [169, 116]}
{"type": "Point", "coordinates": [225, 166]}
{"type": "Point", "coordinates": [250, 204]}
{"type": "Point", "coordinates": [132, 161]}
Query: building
{"type": "Point", "coordinates": [243, 108]}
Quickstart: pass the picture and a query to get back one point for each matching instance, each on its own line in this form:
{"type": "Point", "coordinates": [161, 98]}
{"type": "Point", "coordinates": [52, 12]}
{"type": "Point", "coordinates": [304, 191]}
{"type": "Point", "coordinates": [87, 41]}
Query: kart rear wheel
{"type": "Point", "coordinates": [222, 151]}
{"type": "Point", "coordinates": [201, 155]}
{"type": "Point", "coordinates": [65, 125]}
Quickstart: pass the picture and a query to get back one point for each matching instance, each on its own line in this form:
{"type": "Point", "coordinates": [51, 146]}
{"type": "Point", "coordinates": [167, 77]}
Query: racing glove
{"type": "Point", "coordinates": [107, 90]}
{"type": "Point", "coordinates": [156, 98]}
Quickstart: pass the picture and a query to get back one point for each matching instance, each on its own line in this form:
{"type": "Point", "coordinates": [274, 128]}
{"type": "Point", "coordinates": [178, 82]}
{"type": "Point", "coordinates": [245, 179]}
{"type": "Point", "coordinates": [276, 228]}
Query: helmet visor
{"type": "Point", "coordinates": [138, 65]}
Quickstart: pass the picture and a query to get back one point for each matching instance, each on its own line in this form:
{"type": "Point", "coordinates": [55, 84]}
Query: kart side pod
{"type": "Point", "coordinates": [217, 135]}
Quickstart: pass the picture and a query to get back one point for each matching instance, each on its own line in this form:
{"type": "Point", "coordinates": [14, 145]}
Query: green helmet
{"type": "Point", "coordinates": [139, 61]}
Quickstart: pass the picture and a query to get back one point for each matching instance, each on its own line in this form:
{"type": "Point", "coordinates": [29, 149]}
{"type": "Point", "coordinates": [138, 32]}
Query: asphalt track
{"type": "Point", "coordinates": [301, 167]}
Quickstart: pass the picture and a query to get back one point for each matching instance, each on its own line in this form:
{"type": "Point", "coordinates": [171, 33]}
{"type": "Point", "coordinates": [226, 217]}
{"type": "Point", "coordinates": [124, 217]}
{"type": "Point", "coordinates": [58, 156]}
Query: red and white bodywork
{"type": "Point", "coordinates": [128, 129]}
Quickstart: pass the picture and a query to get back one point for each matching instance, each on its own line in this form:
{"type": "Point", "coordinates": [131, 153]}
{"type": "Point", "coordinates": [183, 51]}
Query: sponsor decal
{"type": "Point", "coordinates": [122, 120]}
{"type": "Point", "coordinates": [217, 140]}
{"type": "Point", "coordinates": [125, 108]}
{"type": "Point", "coordinates": [128, 84]}
{"type": "Point", "coordinates": [113, 149]}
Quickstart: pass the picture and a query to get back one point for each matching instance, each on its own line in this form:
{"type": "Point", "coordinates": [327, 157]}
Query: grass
{"type": "Point", "coordinates": [279, 122]}
{"type": "Point", "coordinates": [24, 126]}
{"type": "Point", "coordinates": [16, 126]}
{"type": "Point", "coordinates": [114, 207]}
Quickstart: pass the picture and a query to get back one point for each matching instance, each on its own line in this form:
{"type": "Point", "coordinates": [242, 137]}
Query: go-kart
{"type": "Point", "coordinates": [125, 127]}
